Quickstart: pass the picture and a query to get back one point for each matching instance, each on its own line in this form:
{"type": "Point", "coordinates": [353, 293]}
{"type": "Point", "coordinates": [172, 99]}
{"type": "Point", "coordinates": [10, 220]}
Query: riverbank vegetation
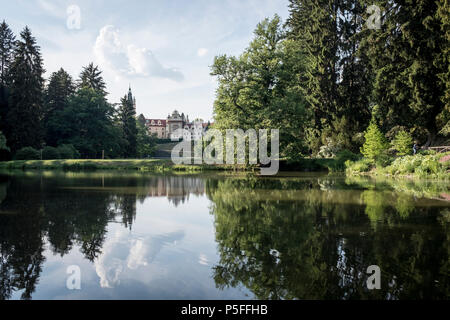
{"type": "Point", "coordinates": [331, 82]}
{"type": "Point", "coordinates": [338, 87]}
{"type": "Point", "coordinates": [420, 165]}
{"type": "Point", "coordinates": [146, 165]}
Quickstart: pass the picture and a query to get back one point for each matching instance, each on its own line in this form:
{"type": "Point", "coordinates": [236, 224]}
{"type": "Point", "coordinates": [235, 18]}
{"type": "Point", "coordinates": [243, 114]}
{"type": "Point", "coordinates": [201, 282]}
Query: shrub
{"type": "Point", "coordinates": [27, 153]}
{"type": "Point", "coordinates": [421, 165]}
{"type": "Point", "coordinates": [50, 153]}
{"type": "Point", "coordinates": [375, 144]}
{"type": "Point", "coordinates": [363, 165]}
{"type": "Point", "coordinates": [341, 157]}
{"type": "Point", "coordinates": [402, 143]}
{"type": "Point", "coordinates": [68, 151]}
{"type": "Point", "coordinates": [383, 160]}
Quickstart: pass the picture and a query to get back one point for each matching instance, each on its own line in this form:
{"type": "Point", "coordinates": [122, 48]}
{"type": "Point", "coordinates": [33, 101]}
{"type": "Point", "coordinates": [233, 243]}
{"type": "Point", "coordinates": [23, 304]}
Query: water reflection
{"type": "Point", "coordinates": [285, 240]}
{"type": "Point", "coordinates": [270, 238]}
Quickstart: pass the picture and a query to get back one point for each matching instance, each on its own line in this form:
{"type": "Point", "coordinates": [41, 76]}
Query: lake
{"type": "Point", "coordinates": [148, 236]}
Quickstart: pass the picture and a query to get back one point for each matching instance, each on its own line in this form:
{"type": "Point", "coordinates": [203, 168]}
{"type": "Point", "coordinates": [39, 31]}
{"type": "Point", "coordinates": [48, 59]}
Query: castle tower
{"type": "Point", "coordinates": [131, 98]}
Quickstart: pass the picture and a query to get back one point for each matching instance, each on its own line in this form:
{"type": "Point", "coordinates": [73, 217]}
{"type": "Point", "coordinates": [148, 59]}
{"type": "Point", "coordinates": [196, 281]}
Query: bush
{"type": "Point", "coordinates": [68, 151]}
{"type": "Point", "coordinates": [402, 143]}
{"type": "Point", "coordinates": [27, 153]}
{"type": "Point", "coordinates": [50, 153]}
{"type": "Point", "coordinates": [422, 165]}
{"type": "Point", "coordinates": [363, 165]}
{"type": "Point", "coordinates": [341, 158]}
{"type": "Point", "coordinates": [383, 160]}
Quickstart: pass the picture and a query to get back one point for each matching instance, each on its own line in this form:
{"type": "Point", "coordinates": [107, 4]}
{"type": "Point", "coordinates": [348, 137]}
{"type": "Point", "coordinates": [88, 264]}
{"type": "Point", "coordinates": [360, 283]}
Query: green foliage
{"type": "Point", "coordinates": [402, 143]}
{"type": "Point", "coordinates": [27, 153]}
{"type": "Point", "coordinates": [26, 94]}
{"type": "Point", "coordinates": [360, 166]}
{"type": "Point", "coordinates": [334, 82]}
{"type": "Point", "coordinates": [146, 143]}
{"type": "Point", "coordinates": [427, 166]}
{"type": "Point", "coordinates": [409, 64]}
{"type": "Point", "coordinates": [375, 143]}
{"type": "Point", "coordinates": [56, 98]}
{"type": "Point", "coordinates": [86, 123]}
{"type": "Point", "coordinates": [127, 123]}
{"type": "Point", "coordinates": [91, 78]}
{"type": "Point", "coordinates": [68, 151]}
{"type": "Point", "coordinates": [259, 89]}
{"type": "Point", "coordinates": [7, 43]}
{"type": "Point", "coordinates": [421, 165]}
{"type": "Point", "coordinates": [50, 153]}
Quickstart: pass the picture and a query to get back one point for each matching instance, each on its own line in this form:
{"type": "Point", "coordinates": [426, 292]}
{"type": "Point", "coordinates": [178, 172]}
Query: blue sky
{"type": "Point", "coordinates": [163, 48]}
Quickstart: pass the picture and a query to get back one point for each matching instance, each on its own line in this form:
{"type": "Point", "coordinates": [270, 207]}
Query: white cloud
{"type": "Point", "coordinates": [122, 255]}
{"type": "Point", "coordinates": [202, 52]}
{"type": "Point", "coordinates": [130, 60]}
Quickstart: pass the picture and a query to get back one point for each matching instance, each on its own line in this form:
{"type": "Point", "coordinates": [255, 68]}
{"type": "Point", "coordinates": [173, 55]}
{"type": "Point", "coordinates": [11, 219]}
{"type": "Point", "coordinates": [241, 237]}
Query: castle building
{"type": "Point", "coordinates": [177, 127]}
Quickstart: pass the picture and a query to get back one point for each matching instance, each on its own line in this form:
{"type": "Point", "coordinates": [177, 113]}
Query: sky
{"type": "Point", "coordinates": [162, 48]}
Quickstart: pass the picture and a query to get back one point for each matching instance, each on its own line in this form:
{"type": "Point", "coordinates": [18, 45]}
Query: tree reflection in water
{"type": "Point", "coordinates": [68, 210]}
{"type": "Point", "coordinates": [282, 238]}
{"type": "Point", "coordinates": [288, 239]}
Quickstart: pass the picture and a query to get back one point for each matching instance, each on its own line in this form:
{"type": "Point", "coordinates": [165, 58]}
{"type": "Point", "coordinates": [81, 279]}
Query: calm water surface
{"type": "Point", "coordinates": [138, 236]}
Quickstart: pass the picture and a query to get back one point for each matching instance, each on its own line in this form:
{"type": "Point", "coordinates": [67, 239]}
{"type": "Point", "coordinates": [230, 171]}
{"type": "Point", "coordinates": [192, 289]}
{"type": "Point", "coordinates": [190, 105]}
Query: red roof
{"type": "Point", "coordinates": [156, 122]}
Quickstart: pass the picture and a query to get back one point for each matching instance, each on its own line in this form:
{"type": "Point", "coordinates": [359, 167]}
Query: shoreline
{"type": "Point", "coordinates": [167, 166]}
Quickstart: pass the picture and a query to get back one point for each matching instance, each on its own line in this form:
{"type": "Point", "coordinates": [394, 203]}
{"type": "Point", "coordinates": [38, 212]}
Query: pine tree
{"type": "Point", "coordinates": [127, 118]}
{"type": "Point", "coordinates": [313, 24]}
{"type": "Point", "coordinates": [443, 63]}
{"type": "Point", "coordinates": [402, 143]}
{"type": "Point", "coordinates": [7, 41]}
{"type": "Point", "coordinates": [91, 77]}
{"type": "Point", "coordinates": [56, 98]}
{"type": "Point", "coordinates": [375, 144]}
{"type": "Point", "coordinates": [403, 56]}
{"type": "Point", "coordinates": [335, 83]}
{"type": "Point", "coordinates": [25, 102]}
{"type": "Point", "coordinates": [146, 143]}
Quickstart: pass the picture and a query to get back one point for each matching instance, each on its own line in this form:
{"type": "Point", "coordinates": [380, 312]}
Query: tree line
{"type": "Point", "coordinates": [324, 75]}
{"type": "Point", "coordinates": [61, 114]}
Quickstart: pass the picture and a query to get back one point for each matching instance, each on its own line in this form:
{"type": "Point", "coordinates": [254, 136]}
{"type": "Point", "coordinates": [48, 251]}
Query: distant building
{"type": "Point", "coordinates": [176, 127]}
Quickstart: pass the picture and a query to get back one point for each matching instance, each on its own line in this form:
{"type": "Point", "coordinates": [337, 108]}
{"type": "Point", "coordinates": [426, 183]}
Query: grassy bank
{"type": "Point", "coordinates": [162, 165]}
{"type": "Point", "coordinates": [151, 165]}
{"type": "Point", "coordinates": [436, 166]}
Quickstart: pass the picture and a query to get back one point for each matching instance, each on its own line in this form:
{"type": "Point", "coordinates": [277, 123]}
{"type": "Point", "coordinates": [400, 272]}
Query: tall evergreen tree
{"type": "Point", "coordinates": [127, 118]}
{"type": "Point", "coordinates": [405, 58]}
{"type": "Point", "coordinates": [91, 77]}
{"type": "Point", "coordinates": [56, 98]}
{"type": "Point", "coordinates": [335, 83]}
{"type": "Point", "coordinates": [7, 43]}
{"type": "Point", "coordinates": [26, 92]}
{"type": "Point", "coordinates": [86, 123]}
{"type": "Point", "coordinates": [313, 24]}
{"type": "Point", "coordinates": [443, 63]}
